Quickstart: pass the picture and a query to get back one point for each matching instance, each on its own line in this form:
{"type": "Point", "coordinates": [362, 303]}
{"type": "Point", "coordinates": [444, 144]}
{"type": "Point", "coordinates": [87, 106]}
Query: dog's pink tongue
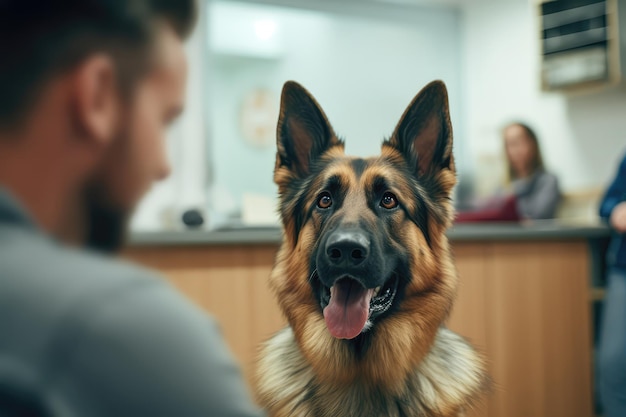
{"type": "Point", "coordinates": [348, 309]}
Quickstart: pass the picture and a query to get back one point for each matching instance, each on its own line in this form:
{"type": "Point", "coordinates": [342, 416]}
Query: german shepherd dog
{"type": "Point", "coordinates": [365, 275]}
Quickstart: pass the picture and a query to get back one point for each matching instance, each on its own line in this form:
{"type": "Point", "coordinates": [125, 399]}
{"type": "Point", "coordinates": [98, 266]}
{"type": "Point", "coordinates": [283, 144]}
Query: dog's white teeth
{"type": "Point", "coordinates": [376, 290]}
{"type": "Point", "coordinates": [332, 290]}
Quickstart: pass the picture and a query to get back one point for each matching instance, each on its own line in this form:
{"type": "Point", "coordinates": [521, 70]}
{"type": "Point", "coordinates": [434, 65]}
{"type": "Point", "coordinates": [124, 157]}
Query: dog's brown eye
{"type": "Point", "coordinates": [324, 201]}
{"type": "Point", "coordinates": [389, 201]}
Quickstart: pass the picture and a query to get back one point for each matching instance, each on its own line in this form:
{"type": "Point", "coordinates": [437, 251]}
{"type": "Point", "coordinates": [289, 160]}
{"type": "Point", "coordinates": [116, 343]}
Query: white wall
{"type": "Point", "coordinates": [582, 137]}
{"type": "Point", "coordinates": [364, 70]}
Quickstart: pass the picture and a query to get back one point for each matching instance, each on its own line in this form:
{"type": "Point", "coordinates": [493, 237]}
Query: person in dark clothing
{"type": "Point", "coordinates": [87, 89]}
{"type": "Point", "coordinates": [612, 347]}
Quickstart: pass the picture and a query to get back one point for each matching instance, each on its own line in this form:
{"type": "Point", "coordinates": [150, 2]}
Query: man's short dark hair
{"type": "Point", "coordinates": [41, 38]}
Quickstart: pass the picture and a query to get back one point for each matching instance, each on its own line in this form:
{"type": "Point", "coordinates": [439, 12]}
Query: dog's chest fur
{"type": "Point", "coordinates": [442, 385]}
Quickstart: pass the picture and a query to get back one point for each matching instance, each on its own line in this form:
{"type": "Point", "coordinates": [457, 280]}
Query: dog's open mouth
{"type": "Point", "coordinates": [348, 306]}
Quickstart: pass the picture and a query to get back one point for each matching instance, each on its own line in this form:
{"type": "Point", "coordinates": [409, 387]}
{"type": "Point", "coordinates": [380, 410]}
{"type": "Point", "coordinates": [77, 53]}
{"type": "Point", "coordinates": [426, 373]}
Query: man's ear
{"type": "Point", "coordinates": [303, 132]}
{"type": "Point", "coordinates": [95, 99]}
{"type": "Point", "coordinates": [424, 133]}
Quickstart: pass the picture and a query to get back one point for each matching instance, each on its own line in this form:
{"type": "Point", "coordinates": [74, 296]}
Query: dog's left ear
{"type": "Point", "coordinates": [424, 133]}
{"type": "Point", "coordinates": [303, 133]}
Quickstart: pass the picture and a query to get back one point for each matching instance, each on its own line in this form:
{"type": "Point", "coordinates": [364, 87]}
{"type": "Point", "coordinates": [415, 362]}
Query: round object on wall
{"type": "Point", "coordinates": [259, 115]}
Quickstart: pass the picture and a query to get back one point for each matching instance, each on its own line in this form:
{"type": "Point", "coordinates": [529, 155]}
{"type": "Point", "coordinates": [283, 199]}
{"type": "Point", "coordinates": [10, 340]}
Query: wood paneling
{"type": "Point", "coordinates": [525, 305]}
{"type": "Point", "coordinates": [539, 329]}
{"type": "Point", "coordinates": [469, 313]}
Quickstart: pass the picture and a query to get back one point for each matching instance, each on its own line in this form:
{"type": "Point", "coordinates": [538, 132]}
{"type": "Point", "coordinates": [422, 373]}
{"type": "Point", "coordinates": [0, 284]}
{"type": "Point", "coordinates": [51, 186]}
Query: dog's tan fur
{"type": "Point", "coordinates": [439, 386]}
{"type": "Point", "coordinates": [413, 366]}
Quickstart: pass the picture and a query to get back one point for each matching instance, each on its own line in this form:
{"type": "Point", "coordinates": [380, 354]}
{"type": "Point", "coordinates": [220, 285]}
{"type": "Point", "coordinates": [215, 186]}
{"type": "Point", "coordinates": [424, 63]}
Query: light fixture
{"type": "Point", "coordinates": [264, 29]}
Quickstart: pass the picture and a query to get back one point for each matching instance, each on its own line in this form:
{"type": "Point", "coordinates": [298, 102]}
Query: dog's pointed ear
{"type": "Point", "coordinates": [424, 133]}
{"type": "Point", "coordinates": [303, 132]}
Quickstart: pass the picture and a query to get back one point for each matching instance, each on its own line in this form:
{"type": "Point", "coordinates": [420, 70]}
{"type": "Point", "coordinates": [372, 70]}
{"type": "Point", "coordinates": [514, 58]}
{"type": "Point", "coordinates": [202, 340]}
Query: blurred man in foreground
{"type": "Point", "coordinates": [87, 90]}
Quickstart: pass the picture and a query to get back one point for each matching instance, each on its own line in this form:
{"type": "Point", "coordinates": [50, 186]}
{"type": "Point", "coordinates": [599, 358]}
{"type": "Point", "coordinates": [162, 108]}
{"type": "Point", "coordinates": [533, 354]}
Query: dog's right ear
{"type": "Point", "coordinates": [303, 133]}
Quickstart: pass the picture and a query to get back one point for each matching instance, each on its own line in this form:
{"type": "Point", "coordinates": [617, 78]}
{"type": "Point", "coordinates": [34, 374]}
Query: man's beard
{"type": "Point", "coordinates": [106, 222]}
{"type": "Point", "coordinates": [105, 225]}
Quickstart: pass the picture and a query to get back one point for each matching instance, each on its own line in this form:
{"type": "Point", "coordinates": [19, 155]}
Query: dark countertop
{"type": "Point", "coordinates": [541, 230]}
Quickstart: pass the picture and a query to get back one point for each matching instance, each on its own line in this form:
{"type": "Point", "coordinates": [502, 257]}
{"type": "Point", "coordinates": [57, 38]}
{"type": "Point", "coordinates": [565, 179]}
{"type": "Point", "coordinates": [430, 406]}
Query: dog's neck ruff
{"type": "Point", "coordinates": [443, 384]}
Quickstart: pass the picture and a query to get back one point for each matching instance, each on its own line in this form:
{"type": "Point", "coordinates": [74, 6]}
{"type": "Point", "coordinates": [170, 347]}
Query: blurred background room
{"type": "Point", "coordinates": [531, 289]}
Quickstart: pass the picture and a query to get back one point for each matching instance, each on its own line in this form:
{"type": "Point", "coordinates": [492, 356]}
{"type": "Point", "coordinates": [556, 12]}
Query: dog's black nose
{"type": "Point", "coordinates": [347, 247]}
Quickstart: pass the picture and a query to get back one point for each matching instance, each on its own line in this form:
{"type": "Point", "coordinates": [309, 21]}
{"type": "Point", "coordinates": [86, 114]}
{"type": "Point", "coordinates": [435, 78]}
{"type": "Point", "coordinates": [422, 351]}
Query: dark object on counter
{"type": "Point", "coordinates": [193, 218]}
{"type": "Point", "coordinates": [499, 210]}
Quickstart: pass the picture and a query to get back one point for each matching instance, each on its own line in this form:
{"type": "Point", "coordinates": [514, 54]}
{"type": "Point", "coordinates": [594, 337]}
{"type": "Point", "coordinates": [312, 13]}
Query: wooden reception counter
{"type": "Point", "coordinates": [524, 300]}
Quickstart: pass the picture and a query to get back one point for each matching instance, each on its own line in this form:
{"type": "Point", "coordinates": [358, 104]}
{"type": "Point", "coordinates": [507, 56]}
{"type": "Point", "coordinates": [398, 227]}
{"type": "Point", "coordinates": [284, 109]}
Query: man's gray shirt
{"type": "Point", "coordinates": [90, 336]}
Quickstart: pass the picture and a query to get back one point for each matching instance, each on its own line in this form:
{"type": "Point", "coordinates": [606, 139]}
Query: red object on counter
{"type": "Point", "coordinates": [498, 210]}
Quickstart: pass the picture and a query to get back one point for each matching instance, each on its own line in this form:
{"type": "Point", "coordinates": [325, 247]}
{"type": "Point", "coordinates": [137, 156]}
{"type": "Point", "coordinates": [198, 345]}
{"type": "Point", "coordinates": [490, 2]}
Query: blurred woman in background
{"type": "Point", "coordinates": [536, 191]}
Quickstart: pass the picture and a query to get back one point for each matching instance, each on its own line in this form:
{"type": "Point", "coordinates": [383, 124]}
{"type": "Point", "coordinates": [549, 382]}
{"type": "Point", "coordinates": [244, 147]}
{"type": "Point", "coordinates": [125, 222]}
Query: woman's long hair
{"type": "Point", "coordinates": [536, 162]}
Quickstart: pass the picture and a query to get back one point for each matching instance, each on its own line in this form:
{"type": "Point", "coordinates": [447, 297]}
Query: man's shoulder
{"type": "Point", "coordinates": [110, 338]}
{"type": "Point", "coordinates": [45, 284]}
{"type": "Point", "coordinates": [27, 256]}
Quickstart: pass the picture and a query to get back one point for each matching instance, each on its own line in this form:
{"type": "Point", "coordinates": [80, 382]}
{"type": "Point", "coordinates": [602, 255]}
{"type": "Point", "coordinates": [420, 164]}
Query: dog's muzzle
{"type": "Point", "coordinates": [355, 287]}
